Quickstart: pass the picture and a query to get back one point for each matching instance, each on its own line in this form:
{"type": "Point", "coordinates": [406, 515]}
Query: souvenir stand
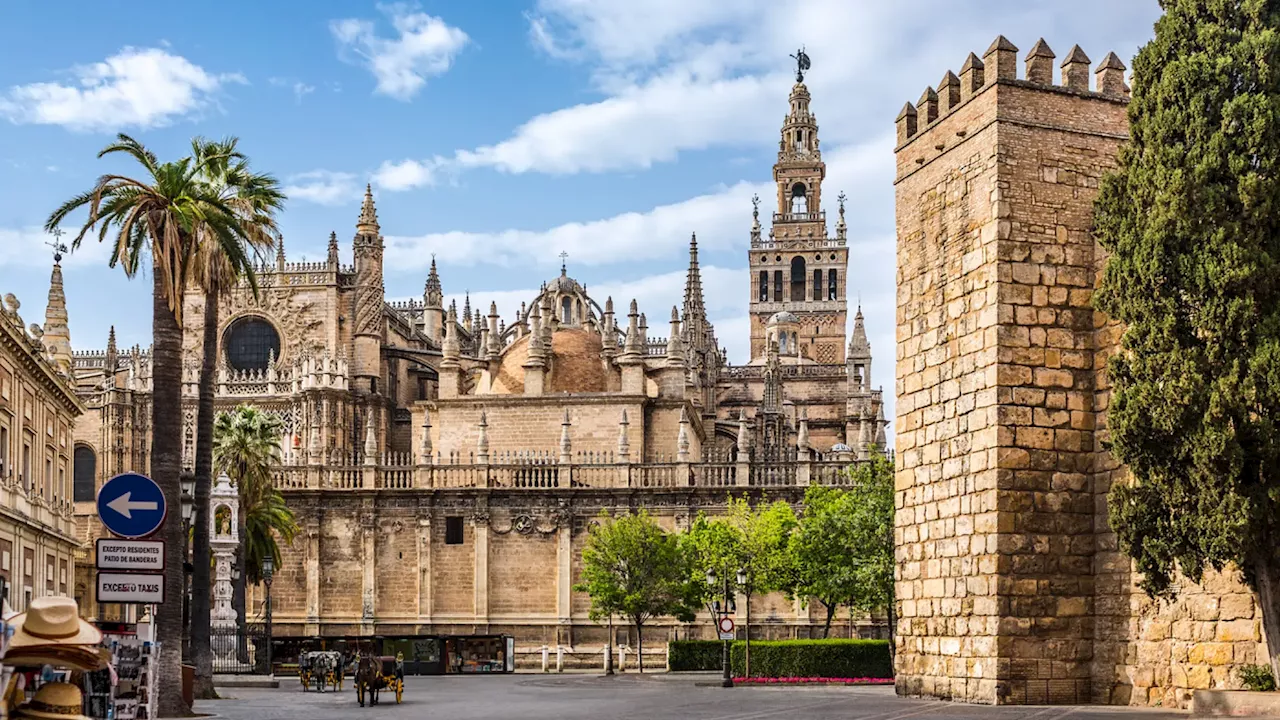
{"type": "Point", "coordinates": [51, 657]}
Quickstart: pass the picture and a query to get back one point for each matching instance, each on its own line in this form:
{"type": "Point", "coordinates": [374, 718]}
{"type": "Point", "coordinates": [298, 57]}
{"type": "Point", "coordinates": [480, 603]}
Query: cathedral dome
{"type": "Point", "coordinates": [783, 318]}
{"type": "Point", "coordinates": [575, 365]}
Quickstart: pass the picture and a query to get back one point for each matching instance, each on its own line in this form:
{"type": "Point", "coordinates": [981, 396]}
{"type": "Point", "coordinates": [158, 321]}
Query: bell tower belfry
{"type": "Point", "coordinates": [799, 268]}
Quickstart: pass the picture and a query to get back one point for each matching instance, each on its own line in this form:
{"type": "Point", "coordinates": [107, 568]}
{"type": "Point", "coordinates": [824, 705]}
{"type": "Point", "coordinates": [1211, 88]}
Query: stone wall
{"type": "Point", "coordinates": [1011, 587]}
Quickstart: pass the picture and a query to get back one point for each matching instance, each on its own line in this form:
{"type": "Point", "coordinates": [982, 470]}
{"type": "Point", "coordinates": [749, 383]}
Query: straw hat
{"type": "Point", "coordinates": [52, 621]}
{"type": "Point", "coordinates": [53, 701]}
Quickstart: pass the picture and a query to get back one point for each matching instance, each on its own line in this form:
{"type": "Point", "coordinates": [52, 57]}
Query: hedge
{"type": "Point", "coordinates": [814, 658]}
{"type": "Point", "coordinates": [695, 654]}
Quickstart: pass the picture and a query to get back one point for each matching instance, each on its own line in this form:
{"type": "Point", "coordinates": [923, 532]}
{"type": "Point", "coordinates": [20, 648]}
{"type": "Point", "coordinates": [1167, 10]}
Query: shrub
{"type": "Point", "coordinates": [815, 658]}
{"type": "Point", "coordinates": [694, 654]}
{"type": "Point", "coordinates": [1257, 677]}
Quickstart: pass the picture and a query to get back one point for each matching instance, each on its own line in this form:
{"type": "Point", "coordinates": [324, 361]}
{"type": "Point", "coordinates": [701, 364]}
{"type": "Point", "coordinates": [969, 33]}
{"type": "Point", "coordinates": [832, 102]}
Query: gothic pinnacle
{"type": "Point", "coordinates": [368, 223]}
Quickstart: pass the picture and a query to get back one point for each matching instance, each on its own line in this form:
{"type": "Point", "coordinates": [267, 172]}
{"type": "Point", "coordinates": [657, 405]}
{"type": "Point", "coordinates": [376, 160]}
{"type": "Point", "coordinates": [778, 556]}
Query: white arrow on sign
{"type": "Point", "coordinates": [125, 507]}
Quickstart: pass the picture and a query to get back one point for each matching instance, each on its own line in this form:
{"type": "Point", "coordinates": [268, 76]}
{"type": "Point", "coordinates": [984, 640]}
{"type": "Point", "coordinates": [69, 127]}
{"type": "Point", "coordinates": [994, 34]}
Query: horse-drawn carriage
{"type": "Point", "coordinates": [321, 668]}
{"type": "Point", "coordinates": [374, 674]}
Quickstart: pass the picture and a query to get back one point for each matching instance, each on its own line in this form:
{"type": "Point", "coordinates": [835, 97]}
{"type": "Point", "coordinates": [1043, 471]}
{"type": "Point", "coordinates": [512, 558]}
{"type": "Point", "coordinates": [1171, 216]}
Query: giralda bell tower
{"type": "Point", "coordinates": [798, 268]}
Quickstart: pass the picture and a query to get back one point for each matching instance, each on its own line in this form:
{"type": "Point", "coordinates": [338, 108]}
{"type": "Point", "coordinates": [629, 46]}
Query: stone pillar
{"type": "Point", "coordinates": [368, 561]}
{"type": "Point", "coordinates": [803, 454]}
{"type": "Point", "coordinates": [742, 468]}
{"type": "Point", "coordinates": [424, 570]}
{"type": "Point", "coordinates": [313, 576]}
{"type": "Point", "coordinates": [480, 529]}
{"type": "Point", "coordinates": [624, 452]}
{"type": "Point", "coordinates": [564, 567]}
{"type": "Point", "coordinates": [422, 471]}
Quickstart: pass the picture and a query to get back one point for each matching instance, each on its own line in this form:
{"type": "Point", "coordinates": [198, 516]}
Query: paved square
{"type": "Point", "coordinates": [656, 697]}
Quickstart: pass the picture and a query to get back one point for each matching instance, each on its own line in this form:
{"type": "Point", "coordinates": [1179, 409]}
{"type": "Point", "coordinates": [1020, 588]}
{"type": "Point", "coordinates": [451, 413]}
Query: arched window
{"type": "Point", "coordinates": [782, 343]}
{"type": "Point", "coordinates": [764, 286]}
{"type": "Point", "coordinates": [797, 278]}
{"type": "Point", "coordinates": [566, 310]}
{"type": "Point", "coordinates": [85, 470]}
{"type": "Point", "coordinates": [777, 286]}
{"type": "Point", "coordinates": [831, 284]}
{"type": "Point", "coordinates": [250, 343]}
{"type": "Point", "coordinates": [795, 344]}
{"type": "Point", "coordinates": [799, 203]}
{"type": "Point", "coordinates": [817, 284]}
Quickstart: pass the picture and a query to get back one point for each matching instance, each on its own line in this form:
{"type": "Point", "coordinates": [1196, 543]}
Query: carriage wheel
{"type": "Point", "coordinates": [399, 690]}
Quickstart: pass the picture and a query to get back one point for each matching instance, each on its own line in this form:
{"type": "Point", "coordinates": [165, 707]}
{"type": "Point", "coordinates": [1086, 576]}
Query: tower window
{"type": "Point", "coordinates": [764, 286]}
{"type": "Point", "coordinates": [566, 310]}
{"type": "Point", "coordinates": [817, 284]}
{"type": "Point", "coordinates": [797, 278]}
{"type": "Point", "coordinates": [799, 203]}
{"type": "Point", "coordinates": [250, 343]}
{"type": "Point", "coordinates": [777, 285]}
{"type": "Point", "coordinates": [831, 285]}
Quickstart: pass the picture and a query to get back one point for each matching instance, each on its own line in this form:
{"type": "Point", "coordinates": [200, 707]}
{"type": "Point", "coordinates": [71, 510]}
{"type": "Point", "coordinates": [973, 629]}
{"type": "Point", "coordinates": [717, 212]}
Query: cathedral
{"type": "Point", "coordinates": [444, 464]}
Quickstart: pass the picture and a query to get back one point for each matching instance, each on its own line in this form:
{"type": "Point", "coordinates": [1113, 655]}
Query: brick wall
{"type": "Point", "coordinates": [522, 573]}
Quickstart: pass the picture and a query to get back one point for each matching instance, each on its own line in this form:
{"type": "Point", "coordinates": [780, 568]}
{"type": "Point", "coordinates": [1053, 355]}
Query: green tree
{"type": "Point", "coordinates": [711, 545]}
{"type": "Point", "coordinates": [763, 555]}
{"type": "Point", "coordinates": [246, 446]}
{"type": "Point", "coordinates": [868, 504]}
{"type": "Point", "coordinates": [254, 198]}
{"type": "Point", "coordinates": [1191, 219]}
{"type": "Point", "coordinates": [824, 555]}
{"type": "Point", "coordinates": [633, 568]}
{"type": "Point", "coordinates": [160, 216]}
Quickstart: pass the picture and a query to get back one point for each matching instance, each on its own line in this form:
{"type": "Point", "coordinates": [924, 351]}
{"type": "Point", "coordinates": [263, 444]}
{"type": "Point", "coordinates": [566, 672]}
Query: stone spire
{"type": "Point", "coordinates": [113, 355]}
{"type": "Point", "coordinates": [482, 440]}
{"type": "Point", "coordinates": [368, 222]}
{"type": "Point", "coordinates": [57, 336]}
{"type": "Point", "coordinates": [624, 441]}
{"type": "Point", "coordinates": [425, 450]}
{"type": "Point", "coordinates": [675, 349]}
{"type": "Point", "coordinates": [433, 292]}
{"type": "Point", "coordinates": [744, 435]}
{"type": "Point", "coordinates": [682, 438]}
{"type": "Point", "coordinates": [566, 447]}
{"type": "Point", "coordinates": [333, 249]}
{"type": "Point", "coordinates": [466, 310]}
{"type": "Point", "coordinates": [859, 347]}
{"type": "Point", "coordinates": [370, 439]}
{"type": "Point", "coordinates": [280, 253]}
{"type": "Point", "coordinates": [633, 345]}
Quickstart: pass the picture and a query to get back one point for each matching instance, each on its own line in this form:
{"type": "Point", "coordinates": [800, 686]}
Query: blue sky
{"type": "Point", "coordinates": [497, 134]}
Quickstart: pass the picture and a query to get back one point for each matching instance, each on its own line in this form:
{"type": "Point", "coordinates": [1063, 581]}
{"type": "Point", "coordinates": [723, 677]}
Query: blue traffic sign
{"type": "Point", "coordinates": [131, 505]}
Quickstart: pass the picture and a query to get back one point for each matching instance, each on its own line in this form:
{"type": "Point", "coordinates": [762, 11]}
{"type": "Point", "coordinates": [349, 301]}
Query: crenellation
{"type": "Point", "coordinates": [1075, 70]}
{"type": "Point", "coordinates": [927, 106]}
{"type": "Point", "coordinates": [1039, 63]}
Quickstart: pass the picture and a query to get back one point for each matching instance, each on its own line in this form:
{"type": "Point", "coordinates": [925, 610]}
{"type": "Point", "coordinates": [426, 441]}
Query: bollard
{"type": "Point", "coordinates": [544, 658]}
{"type": "Point", "coordinates": [622, 659]}
{"type": "Point", "coordinates": [559, 658]}
{"type": "Point", "coordinates": [604, 655]}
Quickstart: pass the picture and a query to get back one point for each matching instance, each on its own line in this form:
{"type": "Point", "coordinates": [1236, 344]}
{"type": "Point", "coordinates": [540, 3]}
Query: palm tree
{"type": "Point", "coordinates": [246, 445]}
{"type": "Point", "coordinates": [255, 198]}
{"type": "Point", "coordinates": [161, 215]}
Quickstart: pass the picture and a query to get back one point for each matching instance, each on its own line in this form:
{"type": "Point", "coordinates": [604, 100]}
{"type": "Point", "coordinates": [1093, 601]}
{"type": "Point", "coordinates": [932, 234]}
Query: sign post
{"type": "Point", "coordinates": [130, 570]}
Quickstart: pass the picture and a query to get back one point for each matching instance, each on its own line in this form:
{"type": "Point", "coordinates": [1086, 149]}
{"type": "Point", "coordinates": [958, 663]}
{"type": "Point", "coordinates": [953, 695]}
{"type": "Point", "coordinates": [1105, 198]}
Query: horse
{"type": "Point", "coordinates": [321, 666]}
{"type": "Point", "coordinates": [367, 679]}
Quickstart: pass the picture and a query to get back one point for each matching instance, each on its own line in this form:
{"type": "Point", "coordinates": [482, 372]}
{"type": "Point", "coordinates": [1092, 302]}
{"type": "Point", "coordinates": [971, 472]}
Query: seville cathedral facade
{"type": "Point", "coordinates": [445, 464]}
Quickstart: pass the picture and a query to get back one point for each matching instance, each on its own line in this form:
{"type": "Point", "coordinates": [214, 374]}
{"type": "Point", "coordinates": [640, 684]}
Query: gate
{"type": "Point", "coordinates": [237, 652]}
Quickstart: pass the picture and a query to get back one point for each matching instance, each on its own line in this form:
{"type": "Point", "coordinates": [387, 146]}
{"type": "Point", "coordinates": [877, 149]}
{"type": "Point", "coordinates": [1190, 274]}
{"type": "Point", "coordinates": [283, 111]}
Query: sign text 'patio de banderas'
{"type": "Point", "coordinates": [132, 507]}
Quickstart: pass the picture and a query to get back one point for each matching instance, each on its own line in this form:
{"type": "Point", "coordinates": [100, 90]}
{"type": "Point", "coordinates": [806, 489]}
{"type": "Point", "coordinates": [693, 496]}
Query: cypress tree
{"type": "Point", "coordinates": [1191, 220]}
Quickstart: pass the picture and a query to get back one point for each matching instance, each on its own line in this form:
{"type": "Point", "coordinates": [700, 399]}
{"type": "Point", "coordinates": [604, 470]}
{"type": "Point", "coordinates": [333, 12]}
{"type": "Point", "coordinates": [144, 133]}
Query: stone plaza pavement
{"type": "Point", "coordinates": [591, 697]}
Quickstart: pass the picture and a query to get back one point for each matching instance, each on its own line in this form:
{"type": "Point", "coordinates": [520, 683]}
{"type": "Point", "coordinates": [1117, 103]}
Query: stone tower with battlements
{"type": "Point", "coordinates": [1011, 586]}
{"type": "Point", "coordinates": [799, 268]}
{"type": "Point", "coordinates": [997, 375]}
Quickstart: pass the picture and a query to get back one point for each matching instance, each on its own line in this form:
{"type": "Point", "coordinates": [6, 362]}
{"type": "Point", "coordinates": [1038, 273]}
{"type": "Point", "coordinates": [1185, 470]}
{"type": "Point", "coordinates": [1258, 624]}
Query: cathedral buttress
{"type": "Point", "coordinates": [369, 300]}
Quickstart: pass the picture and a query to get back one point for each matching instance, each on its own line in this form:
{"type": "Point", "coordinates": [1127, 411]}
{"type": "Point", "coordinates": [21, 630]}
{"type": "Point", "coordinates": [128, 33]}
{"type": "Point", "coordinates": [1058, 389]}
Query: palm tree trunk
{"type": "Point", "coordinates": [201, 651]}
{"type": "Point", "coordinates": [166, 463]}
{"type": "Point", "coordinates": [238, 587]}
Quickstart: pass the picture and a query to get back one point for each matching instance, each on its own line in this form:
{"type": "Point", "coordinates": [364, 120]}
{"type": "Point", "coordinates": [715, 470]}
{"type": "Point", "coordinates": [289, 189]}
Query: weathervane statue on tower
{"type": "Point", "coordinates": [802, 63]}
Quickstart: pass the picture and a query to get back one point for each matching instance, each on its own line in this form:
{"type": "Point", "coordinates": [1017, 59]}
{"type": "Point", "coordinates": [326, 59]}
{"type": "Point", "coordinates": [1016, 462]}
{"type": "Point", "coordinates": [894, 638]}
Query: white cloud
{"type": "Point", "coordinates": [405, 174]}
{"type": "Point", "coordinates": [423, 46]}
{"type": "Point", "coordinates": [28, 248]}
{"type": "Point", "coordinates": [324, 187]}
{"type": "Point", "coordinates": [143, 88]}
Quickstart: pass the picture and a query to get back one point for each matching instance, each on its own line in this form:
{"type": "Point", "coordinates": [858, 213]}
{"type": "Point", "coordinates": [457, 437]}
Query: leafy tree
{"type": "Point", "coordinates": [763, 554]}
{"type": "Point", "coordinates": [868, 504]}
{"type": "Point", "coordinates": [246, 445]}
{"type": "Point", "coordinates": [824, 556]}
{"type": "Point", "coordinates": [161, 216]}
{"type": "Point", "coordinates": [1191, 220]}
{"type": "Point", "coordinates": [253, 198]}
{"type": "Point", "coordinates": [711, 545]}
{"type": "Point", "coordinates": [633, 568]}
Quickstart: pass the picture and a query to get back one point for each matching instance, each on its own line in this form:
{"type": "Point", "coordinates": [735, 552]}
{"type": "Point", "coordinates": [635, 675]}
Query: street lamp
{"type": "Point", "coordinates": [268, 569]}
{"type": "Point", "coordinates": [722, 609]}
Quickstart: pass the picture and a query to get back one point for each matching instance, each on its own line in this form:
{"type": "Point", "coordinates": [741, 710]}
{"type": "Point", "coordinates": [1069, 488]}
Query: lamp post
{"type": "Point", "coordinates": [268, 569]}
{"type": "Point", "coordinates": [723, 608]}
{"type": "Point", "coordinates": [187, 486]}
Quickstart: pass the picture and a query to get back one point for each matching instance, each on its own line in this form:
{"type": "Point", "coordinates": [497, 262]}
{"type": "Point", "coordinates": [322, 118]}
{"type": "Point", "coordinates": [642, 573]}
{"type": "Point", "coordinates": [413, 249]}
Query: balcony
{"type": "Point", "coordinates": [820, 216]}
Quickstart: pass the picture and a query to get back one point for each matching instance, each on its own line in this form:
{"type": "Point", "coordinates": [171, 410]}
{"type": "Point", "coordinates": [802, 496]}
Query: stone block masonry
{"type": "Point", "coordinates": [1010, 586]}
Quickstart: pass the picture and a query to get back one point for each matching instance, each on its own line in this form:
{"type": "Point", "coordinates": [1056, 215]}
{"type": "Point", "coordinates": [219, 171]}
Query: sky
{"type": "Point", "coordinates": [497, 134]}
